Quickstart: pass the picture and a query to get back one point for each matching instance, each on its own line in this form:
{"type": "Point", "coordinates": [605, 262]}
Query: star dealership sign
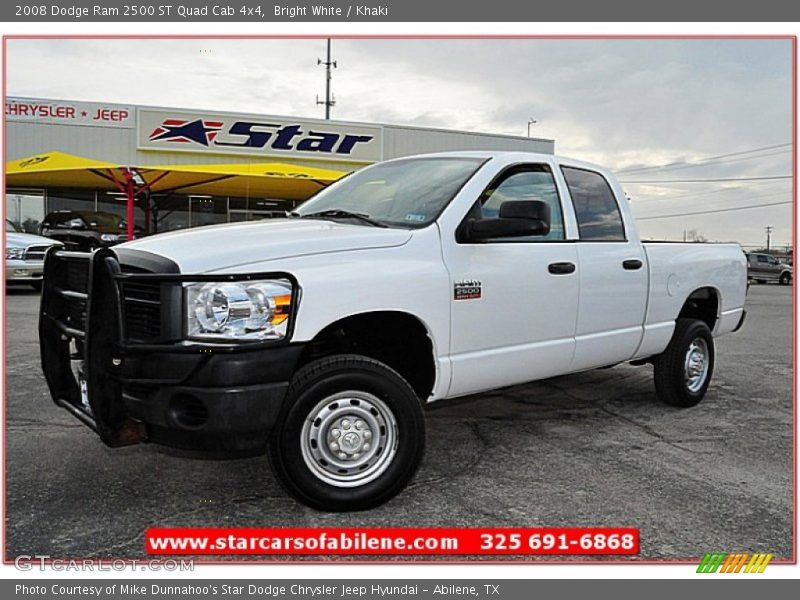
{"type": "Point", "coordinates": [258, 135]}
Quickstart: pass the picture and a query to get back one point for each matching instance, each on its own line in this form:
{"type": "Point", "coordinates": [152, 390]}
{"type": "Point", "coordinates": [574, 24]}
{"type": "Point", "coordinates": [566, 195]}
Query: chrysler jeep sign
{"type": "Point", "coordinates": [68, 112]}
{"type": "Point", "coordinates": [257, 136]}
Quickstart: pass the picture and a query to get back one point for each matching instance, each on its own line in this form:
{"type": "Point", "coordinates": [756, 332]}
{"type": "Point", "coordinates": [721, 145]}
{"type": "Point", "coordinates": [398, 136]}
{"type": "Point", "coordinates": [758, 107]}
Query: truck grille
{"type": "Point", "coordinates": [35, 253]}
{"type": "Point", "coordinates": [78, 275]}
{"type": "Point", "coordinates": [142, 309]}
{"type": "Point", "coordinates": [141, 299]}
{"type": "Point", "coordinates": [73, 290]}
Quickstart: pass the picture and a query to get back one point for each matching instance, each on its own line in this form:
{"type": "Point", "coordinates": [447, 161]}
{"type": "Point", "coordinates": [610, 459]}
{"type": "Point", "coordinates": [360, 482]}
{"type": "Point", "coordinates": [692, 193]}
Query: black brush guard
{"type": "Point", "coordinates": [81, 321]}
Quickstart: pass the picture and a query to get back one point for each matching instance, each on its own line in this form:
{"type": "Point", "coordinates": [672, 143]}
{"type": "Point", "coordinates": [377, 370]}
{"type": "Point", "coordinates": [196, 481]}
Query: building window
{"type": "Point", "coordinates": [25, 208]}
{"type": "Point", "coordinates": [77, 200]}
{"type": "Point", "coordinates": [255, 209]}
{"type": "Point", "coordinates": [207, 210]}
{"type": "Point", "coordinates": [116, 203]}
{"type": "Point", "coordinates": [170, 212]}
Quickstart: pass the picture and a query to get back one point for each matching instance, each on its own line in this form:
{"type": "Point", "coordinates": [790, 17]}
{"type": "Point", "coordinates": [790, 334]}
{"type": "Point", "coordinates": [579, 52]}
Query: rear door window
{"type": "Point", "coordinates": [596, 207]}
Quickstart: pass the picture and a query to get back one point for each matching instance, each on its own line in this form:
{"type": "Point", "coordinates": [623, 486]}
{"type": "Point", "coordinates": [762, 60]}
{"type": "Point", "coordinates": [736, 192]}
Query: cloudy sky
{"type": "Point", "coordinates": [654, 110]}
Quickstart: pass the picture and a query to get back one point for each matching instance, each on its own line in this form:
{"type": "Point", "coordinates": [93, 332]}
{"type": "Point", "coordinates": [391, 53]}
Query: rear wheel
{"type": "Point", "coordinates": [351, 434]}
{"type": "Point", "coordinates": [683, 371]}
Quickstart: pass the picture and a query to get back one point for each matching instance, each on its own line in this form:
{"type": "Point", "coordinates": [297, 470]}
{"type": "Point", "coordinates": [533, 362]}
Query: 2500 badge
{"type": "Point", "coordinates": [469, 289]}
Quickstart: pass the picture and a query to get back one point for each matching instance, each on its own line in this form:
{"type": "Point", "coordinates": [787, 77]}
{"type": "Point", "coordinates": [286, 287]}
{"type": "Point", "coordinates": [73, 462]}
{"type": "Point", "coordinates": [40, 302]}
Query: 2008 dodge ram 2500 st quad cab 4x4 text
{"type": "Point", "coordinates": [320, 337]}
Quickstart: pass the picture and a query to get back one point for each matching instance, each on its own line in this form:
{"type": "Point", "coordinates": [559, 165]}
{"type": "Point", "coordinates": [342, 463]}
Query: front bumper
{"type": "Point", "coordinates": [142, 381]}
{"type": "Point", "coordinates": [24, 271]}
{"type": "Point", "coordinates": [212, 402]}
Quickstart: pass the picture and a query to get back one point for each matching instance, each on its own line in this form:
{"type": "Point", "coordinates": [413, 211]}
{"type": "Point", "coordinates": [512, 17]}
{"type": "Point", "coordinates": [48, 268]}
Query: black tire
{"type": "Point", "coordinates": [670, 373]}
{"type": "Point", "coordinates": [785, 279]}
{"type": "Point", "coordinates": [37, 285]}
{"type": "Point", "coordinates": [312, 393]}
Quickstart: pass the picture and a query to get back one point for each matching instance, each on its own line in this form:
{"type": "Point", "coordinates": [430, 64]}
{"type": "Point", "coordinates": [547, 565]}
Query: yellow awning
{"type": "Point", "coordinates": [259, 180]}
{"type": "Point", "coordinates": [58, 169]}
{"type": "Point", "coordinates": [256, 180]}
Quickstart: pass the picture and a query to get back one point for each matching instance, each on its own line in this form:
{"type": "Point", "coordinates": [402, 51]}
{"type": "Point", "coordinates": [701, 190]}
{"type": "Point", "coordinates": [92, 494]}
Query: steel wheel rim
{"type": "Point", "coordinates": [696, 363]}
{"type": "Point", "coordinates": [349, 439]}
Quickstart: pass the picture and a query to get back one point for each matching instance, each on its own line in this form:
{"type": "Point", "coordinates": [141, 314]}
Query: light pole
{"type": "Point", "coordinates": [769, 229]}
{"type": "Point", "coordinates": [531, 121]}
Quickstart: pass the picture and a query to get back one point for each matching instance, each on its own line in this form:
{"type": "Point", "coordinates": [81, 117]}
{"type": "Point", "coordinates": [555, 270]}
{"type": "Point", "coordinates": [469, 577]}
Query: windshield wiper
{"type": "Point", "coordinates": [338, 213]}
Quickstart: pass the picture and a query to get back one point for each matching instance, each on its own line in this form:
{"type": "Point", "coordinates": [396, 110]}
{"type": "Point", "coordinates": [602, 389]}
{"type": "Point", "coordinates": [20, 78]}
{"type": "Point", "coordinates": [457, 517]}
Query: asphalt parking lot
{"type": "Point", "coordinates": [592, 449]}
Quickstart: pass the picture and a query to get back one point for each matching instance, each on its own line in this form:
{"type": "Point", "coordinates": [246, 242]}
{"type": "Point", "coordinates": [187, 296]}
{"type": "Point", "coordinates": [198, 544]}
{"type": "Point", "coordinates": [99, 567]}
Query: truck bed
{"type": "Point", "coordinates": [679, 268]}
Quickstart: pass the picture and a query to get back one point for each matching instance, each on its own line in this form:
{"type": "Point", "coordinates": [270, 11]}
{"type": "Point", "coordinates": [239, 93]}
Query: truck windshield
{"type": "Point", "coordinates": [404, 193]}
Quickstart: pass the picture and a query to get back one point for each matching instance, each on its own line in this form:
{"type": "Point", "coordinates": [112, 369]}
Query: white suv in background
{"type": "Point", "coordinates": [25, 256]}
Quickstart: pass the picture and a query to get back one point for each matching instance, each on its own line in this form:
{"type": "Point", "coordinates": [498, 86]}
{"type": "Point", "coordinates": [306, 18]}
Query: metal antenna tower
{"type": "Point", "coordinates": [329, 100]}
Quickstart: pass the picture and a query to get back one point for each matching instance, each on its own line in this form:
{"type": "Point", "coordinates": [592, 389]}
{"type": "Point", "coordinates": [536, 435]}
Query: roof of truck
{"type": "Point", "coordinates": [504, 154]}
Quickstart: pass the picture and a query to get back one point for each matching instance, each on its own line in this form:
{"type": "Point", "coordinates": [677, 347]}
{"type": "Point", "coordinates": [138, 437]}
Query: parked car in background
{"type": "Point", "coordinates": [764, 268]}
{"type": "Point", "coordinates": [86, 230]}
{"type": "Point", "coordinates": [25, 256]}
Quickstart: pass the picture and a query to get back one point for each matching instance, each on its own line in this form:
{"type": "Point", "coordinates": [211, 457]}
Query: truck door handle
{"type": "Point", "coordinates": [561, 268]}
{"type": "Point", "coordinates": [632, 265]}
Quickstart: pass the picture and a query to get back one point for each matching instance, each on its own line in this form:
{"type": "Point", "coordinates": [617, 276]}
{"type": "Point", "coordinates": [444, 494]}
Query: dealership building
{"type": "Point", "coordinates": [171, 168]}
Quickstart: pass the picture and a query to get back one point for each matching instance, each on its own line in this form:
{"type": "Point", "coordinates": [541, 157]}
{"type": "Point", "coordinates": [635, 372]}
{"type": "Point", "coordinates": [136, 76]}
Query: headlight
{"type": "Point", "coordinates": [109, 237]}
{"type": "Point", "coordinates": [15, 253]}
{"type": "Point", "coordinates": [238, 310]}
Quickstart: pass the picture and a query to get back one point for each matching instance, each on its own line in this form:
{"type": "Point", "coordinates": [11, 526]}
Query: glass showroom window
{"type": "Point", "coordinates": [25, 208]}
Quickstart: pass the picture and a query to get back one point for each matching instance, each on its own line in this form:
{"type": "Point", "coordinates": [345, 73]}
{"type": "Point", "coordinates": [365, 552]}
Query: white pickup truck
{"type": "Point", "coordinates": [320, 337]}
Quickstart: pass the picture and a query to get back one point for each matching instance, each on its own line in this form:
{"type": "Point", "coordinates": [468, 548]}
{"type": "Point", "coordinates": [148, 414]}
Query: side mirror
{"type": "Point", "coordinates": [516, 218]}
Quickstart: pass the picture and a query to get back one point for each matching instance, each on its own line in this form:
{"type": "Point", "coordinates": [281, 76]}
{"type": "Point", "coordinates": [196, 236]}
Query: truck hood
{"type": "Point", "coordinates": [230, 246]}
{"type": "Point", "coordinates": [23, 240]}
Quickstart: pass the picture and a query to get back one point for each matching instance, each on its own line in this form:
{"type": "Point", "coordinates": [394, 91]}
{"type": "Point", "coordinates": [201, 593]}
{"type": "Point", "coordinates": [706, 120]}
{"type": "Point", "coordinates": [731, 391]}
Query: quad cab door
{"type": "Point", "coordinates": [514, 302]}
{"type": "Point", "coordinates": [613, 272]}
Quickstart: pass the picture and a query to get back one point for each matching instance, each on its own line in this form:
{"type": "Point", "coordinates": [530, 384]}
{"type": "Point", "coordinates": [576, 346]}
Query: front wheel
{"type": "Point", "coordinates": [351, 434]}
{"type": "Point", "coordinates": [785, 279]}
{"type": "Point", "coordinates": [683, 371]}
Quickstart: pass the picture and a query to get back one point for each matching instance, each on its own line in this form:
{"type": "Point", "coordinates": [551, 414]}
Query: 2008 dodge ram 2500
{"type": "Point", "coordinates": [319, 337]}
